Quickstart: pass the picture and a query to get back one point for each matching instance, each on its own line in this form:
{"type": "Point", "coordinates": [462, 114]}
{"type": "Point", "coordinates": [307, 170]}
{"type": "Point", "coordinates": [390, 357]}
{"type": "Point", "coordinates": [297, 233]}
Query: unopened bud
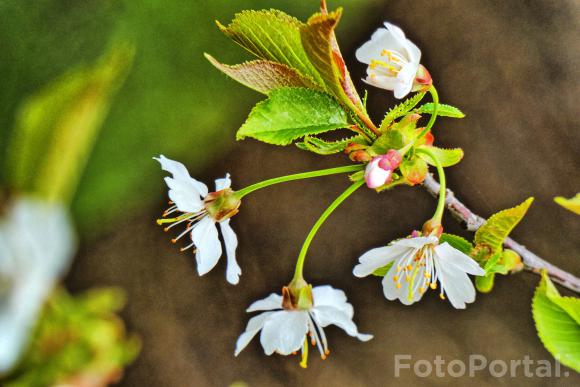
{"type": "Point", "coordinates": [423, 80]}
{"type": "Point", "coordinates": [222, 204]}
{"type": "Point", "coordinates": [375, 175]}
{"type": "Point", "coordinates": [357, 152]}
{"type": "Point", "coordinates": [391, 160]}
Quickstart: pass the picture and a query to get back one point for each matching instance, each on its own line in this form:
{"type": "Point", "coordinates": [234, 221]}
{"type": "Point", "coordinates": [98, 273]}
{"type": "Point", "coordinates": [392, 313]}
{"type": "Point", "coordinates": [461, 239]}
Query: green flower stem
{"type": "Point", "coordinates": [298, 176]}
{"type": "Point", "coordinates": [319, 222]}
{"type": "Point", "coordinates": [431, 122]}
{"type": "Point", "coordinates": [442, 184]}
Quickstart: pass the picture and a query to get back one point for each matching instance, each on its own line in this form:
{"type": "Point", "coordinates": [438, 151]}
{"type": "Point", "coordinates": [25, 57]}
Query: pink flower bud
{"type": "Point", "coordinates": [391, 160]}
{"type": "Point", "coordinates": [375, 175]}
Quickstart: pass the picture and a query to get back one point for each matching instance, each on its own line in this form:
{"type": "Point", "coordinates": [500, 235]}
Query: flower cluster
{"type": "Point", "coordinates": [397, 152]}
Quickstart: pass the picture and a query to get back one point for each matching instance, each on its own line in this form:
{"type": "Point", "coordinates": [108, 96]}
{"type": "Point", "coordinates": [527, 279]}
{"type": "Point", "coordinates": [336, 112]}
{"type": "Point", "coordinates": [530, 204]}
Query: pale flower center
{"type": "Point", "coordinates": [418, 270]}
{"type": "Point", "coordinates": [390, 64]}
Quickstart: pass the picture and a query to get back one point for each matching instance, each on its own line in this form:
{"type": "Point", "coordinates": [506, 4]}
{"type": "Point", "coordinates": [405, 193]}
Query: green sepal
{"type": "Point", "coordinates": [447, 157]}
{"type": "Point", "coordinates": [400, 110]}
{"type": "Point", "coordinates": [323, 147]}
{"type": "Point", "coordinates": [443, 110]}
{"type": "Point", "coordinates": [392, 139]}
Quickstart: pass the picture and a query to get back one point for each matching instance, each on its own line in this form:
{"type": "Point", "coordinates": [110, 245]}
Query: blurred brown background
{"type": "Point", "coordinates": [512, 66]}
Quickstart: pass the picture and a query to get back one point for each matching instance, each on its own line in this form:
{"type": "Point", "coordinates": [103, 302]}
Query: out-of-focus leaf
{"type": "Point", "coordinates": [572, 204]}
{"type": "Point", "coordinates": [264, 75]}
{"type": "Point", "coordinates": [78, 339]}
{"type": "Point", "coordinates": [56, 128]}
{"type": "Point", "coordinates": [498, 226]}
{"type": "Point", "coordinates": [291, 113]}
{"type": "Point", "coordinates": [272, 35]}
{"type": "Point", "coordinates": [557, 321]}
{"type": "Point", "coordinates": [447, 157]}
{"type": "Point", "coordinates": [443, 110]}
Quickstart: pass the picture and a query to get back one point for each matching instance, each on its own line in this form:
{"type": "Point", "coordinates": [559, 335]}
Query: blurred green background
{"type": "Point", "coordinates": [173, 101]}
{"type": "Point", "coordinates": [511, 66]}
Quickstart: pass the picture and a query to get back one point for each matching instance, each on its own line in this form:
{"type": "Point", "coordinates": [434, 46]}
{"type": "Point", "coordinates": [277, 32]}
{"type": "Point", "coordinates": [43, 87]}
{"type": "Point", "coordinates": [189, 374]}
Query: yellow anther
{"type": "Point", "coordinates": [442, 296]}
{"type": "Point", "coordinates": [409, 267]}
{"type": "Point", "coordinates": [398, 286]}
{"type": "Point", "coordinates": [373, 75]}
{"type": "Point", "coordinates": [433, 285]}
{"type": "Point", "coordinates": [421, 290]}
{"type": "Point", "coordinates": [396, 278]}
{"type": "Point", "coordinates": [384, 52]}
{"type": "Point", "coordinates": [427, 275]}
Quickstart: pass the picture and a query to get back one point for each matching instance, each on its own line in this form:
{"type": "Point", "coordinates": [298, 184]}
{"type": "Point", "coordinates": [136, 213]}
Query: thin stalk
{"type": "Point", "coordinates": [302, 256]}
{"type": "Point", "coordinates": [431, 122]}
{"type": "Point", "coordinates": [438, 216]}
{"type": "Point", "coordinates": [298, 176]}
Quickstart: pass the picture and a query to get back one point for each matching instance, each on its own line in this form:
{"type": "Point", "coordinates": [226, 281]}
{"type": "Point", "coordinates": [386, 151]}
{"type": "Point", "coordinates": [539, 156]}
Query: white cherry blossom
{"type": "Point", "coordinates": [285, 331]}
{"type": "Point", "coordinates": [189, 199]}
{"type": "Point", "coordinates": [420, 263]}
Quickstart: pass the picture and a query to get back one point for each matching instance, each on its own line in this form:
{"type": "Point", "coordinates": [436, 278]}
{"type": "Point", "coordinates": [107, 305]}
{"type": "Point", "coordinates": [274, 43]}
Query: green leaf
{"type": "Point", "coordinates": [447, 157]}
{"type": "Point", "coordinates": [400, 110]}
{"type": "Point", "coordinates": [572, 204]}
{"type": "Point", "coordinates": [443, 110]}
{"type": "Point", "coordinates": [322, 147]}
{"type": "Point", "coordinates": [457, 242]}
{"type": "Point", "coordinates": [392, 139]}
{"type": "Point", "coordinates": [291, 113]}
{"type": "Point", "coordinates": [320, 45]}
{"type": "Point", "coordinates": [498, 226]}
{"type": "Point", "coordinates": [264, 75]}
{"type": "Point", "coordinates": [56, 128]}
{"type": "Point", "coordinates": [272, 35]}
{"type": "Point", "coordinates": [493, 265]}
{"type": "Point", "coordinates": [557, 321]}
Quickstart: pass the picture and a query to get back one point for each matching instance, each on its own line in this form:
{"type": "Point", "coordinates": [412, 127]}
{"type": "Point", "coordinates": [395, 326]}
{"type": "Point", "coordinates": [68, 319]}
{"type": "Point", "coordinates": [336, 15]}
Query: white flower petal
{"type": "Point", "coordinates": [413, 54]}
{"type": "Point", "coordinates": [273, 301]}
{"type": "Point", "coordinates": [326, 295]}
{"type": "Point", "coordinates": [450, 255]}
{"type": "Point", "coordinates": [254, 325]}
{"type": "Point", "coordinates": [284, 332]}
{"type": "Point", "coordinates": [416, 242]}
{"type": "Point", "coordinates": [223, 183]}
{"type": "Point", "coordinates": [233, 270]}
{"type": "Point", "coordinates": [325, 315]}
{"type": "Point", "coordinates": [179, 172]}
{"type": "Point", "coordinates": [184, 195]}
{"type": "Point", "coordinates": [377, 258]}
{"type": "Point", "coordinates": [380, 40]}
{"type": "Point", "coordinates": [206, 240]}
{"type": "Point", "coordinates": [37, 247]}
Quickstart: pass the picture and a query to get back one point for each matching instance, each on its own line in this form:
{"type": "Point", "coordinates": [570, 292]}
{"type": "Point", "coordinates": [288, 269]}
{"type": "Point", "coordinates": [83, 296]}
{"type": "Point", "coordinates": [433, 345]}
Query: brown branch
{"type": "Point", "coordinates": [472, 221]}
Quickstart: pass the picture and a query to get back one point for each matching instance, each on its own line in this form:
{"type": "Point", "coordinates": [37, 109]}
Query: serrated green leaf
{"type": "Point", "coordinates": [447, 157]}
{"type": "Point", "coordinates": [322, 147]}
{"type": "Point", "coordinates": [457, 242]}
{"type": "Point", "coordinates": [443, 110]}
{"type": "Point", "coordinates": [319, 43]}
{"type": "Point", "coordinates": [56, 128]}
{"type": "Point", "coordinates": [572, 204]}
{"type": "Point", "coordinates": [272, 35]}
{"type": "Point", "coordinates": [292, 113]}
{"type": "Point", "coordinates": [498, 226]}
{"type": "Point", "coordinates": [557, 321]}
{"type": "Point", "coordinates": [400, 110]}
{"type": "Point", "coordinates": [264, 75]}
